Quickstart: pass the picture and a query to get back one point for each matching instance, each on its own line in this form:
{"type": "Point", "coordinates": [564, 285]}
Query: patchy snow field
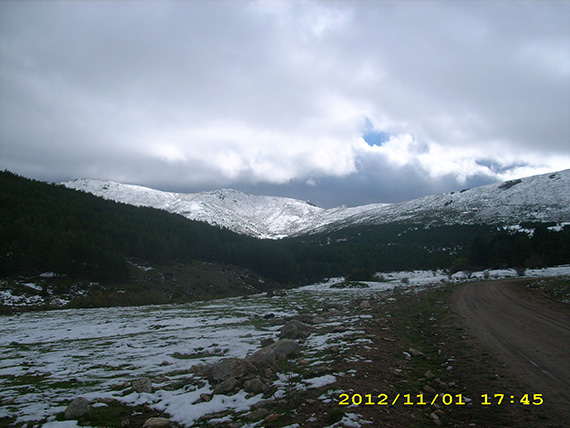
{"type": "Point", "coordinates": [49, 358]}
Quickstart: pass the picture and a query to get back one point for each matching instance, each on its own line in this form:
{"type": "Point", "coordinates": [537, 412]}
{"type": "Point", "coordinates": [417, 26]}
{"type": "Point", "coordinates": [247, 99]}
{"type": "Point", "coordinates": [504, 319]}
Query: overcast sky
{"type": "Point", "coordinates": [338, 102]}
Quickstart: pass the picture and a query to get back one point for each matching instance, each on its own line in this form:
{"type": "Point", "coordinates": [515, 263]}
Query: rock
{"type": "Point", "coordinates": [416, 353]}
{"type": "Point", "coordinates": [266, 356]}
{"type": "Point", "coordinates": [226, 386]}
{"type": "Point", "coordinates": [435, 419]}
{"type": "Point", "coordinates": [264, 404]}
{"type": "Point", "coordinates": [266, 341]}
{"type": "Point", "coordinates": [199, 369]}
{"type": "Point", "coordinates": [156, 423]}
{"type": "Point", "coordinates": [142, 385]}
{"type": "Point", "coordinates": [257, 414]}
{"type": "Point", "coordinates": [429, 389]}
{"type": "Point", "coordinates": [272, 417]}
{"type": "Point", "coordinates": [318, 320]}
{"type": "Point", "coordinates": [205, 397]}
{"type": "Point", "coordinates": [295, 329]}
{"type": "Point", "coordinates": [364, 305]}
{"type": "Point", "coordinates": [255, 385]}
{"type": "Point", "coordinates": [77, 408]}
{"type": "Point", "coordinates": [284, 346]}
{"type": "Point", "coordinates": [429, 375]}
{"type": "Point", "coordinates": [229, 368]}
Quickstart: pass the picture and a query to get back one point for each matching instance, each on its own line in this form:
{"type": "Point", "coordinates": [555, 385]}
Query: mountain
{"type": "Point", "coordinates": [541, 198]}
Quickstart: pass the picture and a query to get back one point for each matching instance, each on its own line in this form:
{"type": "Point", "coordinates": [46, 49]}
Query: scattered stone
{"type": "Point", "coordinates": [429, 375]}
{"type": "Point", "coordinates": [272, 417]}
{"type": "Point", "coordinates": [429, 389]}
{"type": "Point", "coordinates": [364, 305]}
{"type": "Point", "coordinates": [435, 419]}
{"type": "Point", "coordinates": [142, 385]}
{"type": "Point", "coordinates": [416, 353]}
{"type": "Point", "coordinates": [255, 386]}
{"type": "Point", "coordinates": [229, 368]}
{"type": "Point", "coordinates": [295, 329]}
{"type": "Point", "coordinates": [266, 356]}
{"type": "Point", "coordinates": [257, 414]}
{"type": "Point", "coordinates": [205, 397]}
{"type": "Point", "coordinates": [318, 320]}
{"type": "Point", "coordinates": [264, 404]}
{"type": "Point", "coordinates": [77, 408]}
{"type": "Point", "coordinates": [156, 423]}
{"type": "Point", "coordinates": [226, 386]}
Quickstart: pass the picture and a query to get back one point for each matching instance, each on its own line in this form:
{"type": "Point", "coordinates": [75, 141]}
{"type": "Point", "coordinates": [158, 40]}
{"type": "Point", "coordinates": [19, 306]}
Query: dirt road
{"type": "Point", "coordinates": [528, 332]}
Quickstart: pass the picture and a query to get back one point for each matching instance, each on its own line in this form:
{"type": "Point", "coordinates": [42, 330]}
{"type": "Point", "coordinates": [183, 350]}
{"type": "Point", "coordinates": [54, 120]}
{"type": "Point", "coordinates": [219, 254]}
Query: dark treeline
{"type": "Point", "coordinates": [47, 227]}
{"type": "Point", "coordinates": [504, 248]}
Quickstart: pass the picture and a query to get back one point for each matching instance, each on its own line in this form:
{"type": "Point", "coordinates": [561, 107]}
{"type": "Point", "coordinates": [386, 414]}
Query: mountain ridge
{"type": "Point", "coordinates": [539, 198]}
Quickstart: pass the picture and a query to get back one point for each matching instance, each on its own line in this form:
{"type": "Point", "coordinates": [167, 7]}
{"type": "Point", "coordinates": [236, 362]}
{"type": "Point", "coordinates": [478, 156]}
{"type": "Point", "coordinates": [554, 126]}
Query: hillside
{"type": "Point", "coordinates": [57, 241]}
{"type": "Point", "coordinates": [542, 198]}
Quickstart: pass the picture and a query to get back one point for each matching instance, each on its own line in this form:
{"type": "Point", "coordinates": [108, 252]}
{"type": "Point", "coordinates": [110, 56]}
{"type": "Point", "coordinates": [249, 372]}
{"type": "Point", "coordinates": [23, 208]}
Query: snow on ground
{"type": "Point", "coordinates": [51, 357]}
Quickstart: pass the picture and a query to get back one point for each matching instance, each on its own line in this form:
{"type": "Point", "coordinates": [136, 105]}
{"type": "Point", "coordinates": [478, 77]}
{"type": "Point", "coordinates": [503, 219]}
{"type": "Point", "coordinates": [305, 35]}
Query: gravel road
{"type": "Point", "coordinates": [529, 333]}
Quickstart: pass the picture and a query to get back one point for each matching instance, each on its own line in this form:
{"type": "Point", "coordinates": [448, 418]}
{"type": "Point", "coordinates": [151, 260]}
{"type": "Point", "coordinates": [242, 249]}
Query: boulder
{"type": "Point", "coordinates": [255, 386]}
{"type": "Point", "coordinates": [156, 423]}
{"type": "Point", "coordinates": [77, 408]}
{"type": "Point", "coordinates": [266, 356]}
{"type": "Point", "coordinates": [295, 329]}
{"type": "Point", "coordinates": [267, 341]}
{"type": "Point", "coordinates": [229, 368]}
{"type": "Point", "coordinates": [142, 385]}
{"type": "Point", "coordinates": [226, 386]}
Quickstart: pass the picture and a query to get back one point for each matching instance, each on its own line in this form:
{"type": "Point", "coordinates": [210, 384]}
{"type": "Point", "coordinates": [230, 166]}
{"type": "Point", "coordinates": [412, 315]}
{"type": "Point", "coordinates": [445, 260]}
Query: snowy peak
{"type": "Point", "coordinates": [260, 216]}
{"type": "Point", "coordinates": [539, 198]}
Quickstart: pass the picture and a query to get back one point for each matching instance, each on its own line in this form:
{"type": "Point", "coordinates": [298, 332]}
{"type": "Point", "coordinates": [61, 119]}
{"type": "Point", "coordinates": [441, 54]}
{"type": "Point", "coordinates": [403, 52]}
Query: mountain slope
{"type": "Point", "coordinates": [539, 198]}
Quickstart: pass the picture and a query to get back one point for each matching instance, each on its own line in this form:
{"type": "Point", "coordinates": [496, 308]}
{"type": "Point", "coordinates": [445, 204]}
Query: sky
{"type": "Point", "coordinates": [337, 102]}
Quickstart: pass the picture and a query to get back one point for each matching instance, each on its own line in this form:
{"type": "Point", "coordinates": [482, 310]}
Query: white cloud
{"type": "Point", "coordinates": [236, 94]}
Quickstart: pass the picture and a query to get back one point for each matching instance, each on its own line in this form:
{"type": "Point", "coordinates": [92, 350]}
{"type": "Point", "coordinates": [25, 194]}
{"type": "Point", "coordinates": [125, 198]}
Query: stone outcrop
{"type": "Point", "coordinates": [78, 408]}
{"type": "Point", "coordinates": [267, 355]}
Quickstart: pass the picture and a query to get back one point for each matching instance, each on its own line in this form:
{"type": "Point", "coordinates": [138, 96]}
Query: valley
{"type": "Point", "coordinates": [400, 336]}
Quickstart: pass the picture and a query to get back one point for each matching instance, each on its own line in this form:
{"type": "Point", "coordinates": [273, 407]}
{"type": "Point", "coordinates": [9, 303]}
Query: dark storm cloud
{"type": "Point", "coordinates": [337, 102]}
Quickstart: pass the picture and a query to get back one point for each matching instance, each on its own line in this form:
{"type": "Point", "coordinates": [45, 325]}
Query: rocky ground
{"type": "Point", "coordinates": [412, 362]}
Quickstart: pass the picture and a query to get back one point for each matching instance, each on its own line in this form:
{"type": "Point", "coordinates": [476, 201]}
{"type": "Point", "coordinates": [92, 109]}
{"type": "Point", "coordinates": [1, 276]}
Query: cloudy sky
{"type": "Point", "coordinates": [338, 102]}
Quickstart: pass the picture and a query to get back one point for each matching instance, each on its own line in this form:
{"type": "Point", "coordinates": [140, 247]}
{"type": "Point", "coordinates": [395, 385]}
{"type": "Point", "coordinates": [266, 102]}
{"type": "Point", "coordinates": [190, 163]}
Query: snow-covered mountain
{"type": "Point", "coordinates": [539, 198]}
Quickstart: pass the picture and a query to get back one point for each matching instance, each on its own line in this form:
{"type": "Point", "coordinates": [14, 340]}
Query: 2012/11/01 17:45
{"type": "Point", "coordinates": [445, 399]}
